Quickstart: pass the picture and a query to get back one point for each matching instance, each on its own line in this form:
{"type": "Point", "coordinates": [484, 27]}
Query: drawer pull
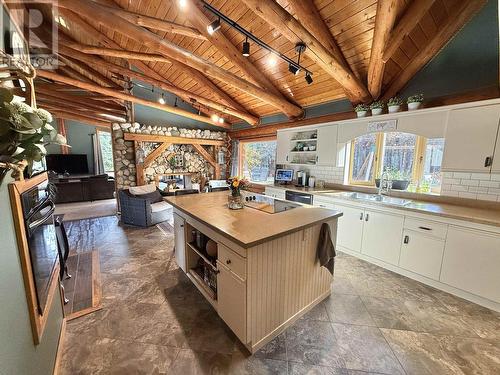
{"type": "Point", "coordinates": [424, 228]}
{"type": "Point", "coordinates": [367, 217]}
{"type": "Point", "coordinates": [322, 205]}
{"type": "Point", "coordinates": [406, 239]}
{"type": "Point", "coordinates": [361, 216]}
{"type": "Point", "coordinates": [228, 261]}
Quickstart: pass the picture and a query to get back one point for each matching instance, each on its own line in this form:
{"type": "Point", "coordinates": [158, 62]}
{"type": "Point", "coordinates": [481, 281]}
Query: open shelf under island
{"type": "Point", "coordinates": [266, 274]}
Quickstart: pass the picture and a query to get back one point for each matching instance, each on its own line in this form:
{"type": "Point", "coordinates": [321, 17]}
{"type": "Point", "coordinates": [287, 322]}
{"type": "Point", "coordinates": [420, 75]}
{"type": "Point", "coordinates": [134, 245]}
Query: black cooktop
{"type": "Point", "coordinates": [268, 204]}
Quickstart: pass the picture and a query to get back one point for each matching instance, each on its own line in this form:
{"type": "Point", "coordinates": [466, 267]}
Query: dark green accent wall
{"type": "Point", "coordinates": [79, 138]}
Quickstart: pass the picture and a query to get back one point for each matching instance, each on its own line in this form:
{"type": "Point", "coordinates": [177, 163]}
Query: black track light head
{"type": "Point", "coordinates": [293, 69]}
{"type": "Point", "coordinates": [245, 50]}
{"type": "Point", "coordinates": [309, 78]}
{"type": "Point", "coordinates": [214, 26]}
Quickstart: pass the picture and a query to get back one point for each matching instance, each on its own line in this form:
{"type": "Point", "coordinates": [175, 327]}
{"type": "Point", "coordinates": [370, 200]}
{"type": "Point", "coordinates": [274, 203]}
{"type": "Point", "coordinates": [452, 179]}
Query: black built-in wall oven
{"type": "Point", "coordinates": [38, 209]}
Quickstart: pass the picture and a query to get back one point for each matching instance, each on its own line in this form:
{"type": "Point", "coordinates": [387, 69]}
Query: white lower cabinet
{"type": "Point", "coordinates": [350, 227]}
{"type": "Point", "coordinates": [231, 300]}
{"type": "Point", "coordinates": [180, 242]}
{"type": "Point", "coordinates": [471, 262]}
{"type": "Point", "coordinates": [421, 254]}
{"type": "Point", "coordinates": [382, 236]}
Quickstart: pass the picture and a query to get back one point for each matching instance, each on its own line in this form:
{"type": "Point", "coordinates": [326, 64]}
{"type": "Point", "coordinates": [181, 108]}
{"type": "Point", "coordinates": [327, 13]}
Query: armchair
{"type": "Point", "coordinates": [143, 210]}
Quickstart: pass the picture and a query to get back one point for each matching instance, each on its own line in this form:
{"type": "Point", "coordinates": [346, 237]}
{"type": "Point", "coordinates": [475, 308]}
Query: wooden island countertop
{"type": "Point", "coordinates": [248, 227]}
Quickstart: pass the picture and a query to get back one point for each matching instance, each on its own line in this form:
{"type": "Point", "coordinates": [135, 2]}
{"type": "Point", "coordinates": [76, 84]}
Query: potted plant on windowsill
{"type": "Point", "coordinates": [361, 110]}
{"type": "Point", "coordinates": [377, 107]}
{"type": "Point", "coordinates": [235, 200]}
{"type": "Point", "coordinates": [394, 104]}
{"type": "Point", "coordinates": [400, 180]}
{"type": "Point", "coordinates": [24, 133]}
{"type": "Point", "coordinates": [415, 101]}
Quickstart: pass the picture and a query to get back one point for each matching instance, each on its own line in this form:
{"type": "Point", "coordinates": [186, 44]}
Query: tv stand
{"type": "Point", "coordinates": [83, 187]}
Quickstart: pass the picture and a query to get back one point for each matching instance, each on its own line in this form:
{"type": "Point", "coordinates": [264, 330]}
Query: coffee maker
{"type": "Point", "coordinates": [301, 178]}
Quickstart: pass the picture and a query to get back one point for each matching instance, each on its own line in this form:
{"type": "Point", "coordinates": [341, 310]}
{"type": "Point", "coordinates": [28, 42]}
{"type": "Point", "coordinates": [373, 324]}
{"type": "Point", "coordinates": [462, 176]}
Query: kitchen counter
{"type": "Point", "coordinates": [248, 227]}
{"type": "Point", "coordinates": [453, 211]}
{"type": "Point", "coordinates": [260, 270]}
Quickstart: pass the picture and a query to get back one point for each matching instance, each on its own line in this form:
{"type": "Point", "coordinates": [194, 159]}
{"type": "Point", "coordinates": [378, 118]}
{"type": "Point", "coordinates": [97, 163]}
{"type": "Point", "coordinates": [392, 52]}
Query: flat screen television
{"type": "Point", "coordinates": [70, 163]}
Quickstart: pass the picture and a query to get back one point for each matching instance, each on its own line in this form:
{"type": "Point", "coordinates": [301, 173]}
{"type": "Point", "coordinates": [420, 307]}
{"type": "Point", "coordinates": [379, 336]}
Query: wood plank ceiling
{"type": "Point", "coordinates": [351, 23]}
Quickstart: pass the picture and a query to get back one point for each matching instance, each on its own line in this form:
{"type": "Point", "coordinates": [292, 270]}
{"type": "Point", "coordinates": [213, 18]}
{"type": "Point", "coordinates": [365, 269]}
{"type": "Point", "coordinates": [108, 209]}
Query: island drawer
{"type": "Point", "coordinates": [430, 228]}
{"type": "Point", "coordinates": [233, 261]}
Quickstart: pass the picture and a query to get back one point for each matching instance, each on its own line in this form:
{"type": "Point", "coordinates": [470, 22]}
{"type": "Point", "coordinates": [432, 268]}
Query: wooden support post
{"type": "Point", "coordinates": [61, 128]}
{"type": "Point", "coordinates": [139, 168]}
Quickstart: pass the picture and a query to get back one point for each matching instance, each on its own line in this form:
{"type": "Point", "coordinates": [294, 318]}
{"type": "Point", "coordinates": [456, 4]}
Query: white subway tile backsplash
{"type": "Point", "coordinates": [447, 174]}
{"type": "Point", "coordinates": [480, 176]}
{"type": "Point", "coordinates": [488, 197]}
{"type": "Point", "coordinates": [461, 175]}
{"type": "Point", "coordinates": [466, 194]}
{"type": "Point", "coordinates": [491, 184]}
{"type": "Point", "coordinates": [475, 189]}
{"type": "Point", "coordinates": [495, 177]}
{"type": "Point", "coordinates": [452, 181]}
{"type": "Point", "coordinates": [493, 191]}
{"type": "Point", "coordinates": [459, 188]}
{"type": "Point", "coordinates": [469, 182]}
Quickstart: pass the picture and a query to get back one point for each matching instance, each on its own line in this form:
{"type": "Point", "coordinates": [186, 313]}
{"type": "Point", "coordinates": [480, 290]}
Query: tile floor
{"type": "Point", "coordinates": [154, 321]}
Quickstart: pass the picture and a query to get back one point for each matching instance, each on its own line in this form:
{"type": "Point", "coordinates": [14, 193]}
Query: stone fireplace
{"type": "Point", "coordinates": [164, 151]}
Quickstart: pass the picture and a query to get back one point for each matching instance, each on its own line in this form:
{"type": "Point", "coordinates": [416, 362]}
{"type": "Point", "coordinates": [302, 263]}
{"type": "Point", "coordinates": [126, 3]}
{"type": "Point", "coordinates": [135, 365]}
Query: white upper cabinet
{"type": "Point", "coordinates": [471, 134]}
{"type": "Point", "coordinates": [283, 146]}
{"type": "Point", "coordinates": [327, 145]}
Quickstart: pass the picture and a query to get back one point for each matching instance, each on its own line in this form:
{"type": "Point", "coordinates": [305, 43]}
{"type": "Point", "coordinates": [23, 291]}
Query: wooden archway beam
{"type": "Point", "coordinates": [127, 97]}
{"type": "Point", "coordinates": [104, 16]}
{"type": "Point", "coordinates": [155, 153]}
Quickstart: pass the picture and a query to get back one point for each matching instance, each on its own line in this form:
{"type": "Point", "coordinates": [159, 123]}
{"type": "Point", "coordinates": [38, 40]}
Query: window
{"type": "Point", "coordinates": [257, 160]}
{"type": "Point", "coordinates": [405, 156]}
{"type": "Point", "coordinates": [106, 151]}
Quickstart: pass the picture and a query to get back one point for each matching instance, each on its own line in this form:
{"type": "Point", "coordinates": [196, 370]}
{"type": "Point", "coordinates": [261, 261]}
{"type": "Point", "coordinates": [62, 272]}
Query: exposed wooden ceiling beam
{"type": "Point", "coordinates": [411, 17]}
{"type": "Point", "coordinates": [119, 53]}
{"type": "Point", "coordinates": [68, 115]}
{"type": "Point", "coordinates": [457, 18]}
{"type": "Point", "coordinates": [308, 15]}
{"type": "Point", "coordinates": [167, 48]}
{"type": "Point", "coordinates": [294, 31]}
{"type": "Point", "coordinates": [384, 21]}
{"type": "Point", "coordinates": [120, 95]}
{"type": "Point", "coordinates": [228, 49]}
{"type": "Point", "coordinates": [103, 115]}
{"type": "Point", "coordinates": [91, 73]}
{"type": "Point", "coordinates": [73, 73]}
{"type": "Point", "coordinates": [154, 23]}
{"type": "Point", "coordinates": [146, 69]}
{"type": "Point", "coordinates": [187, 96]}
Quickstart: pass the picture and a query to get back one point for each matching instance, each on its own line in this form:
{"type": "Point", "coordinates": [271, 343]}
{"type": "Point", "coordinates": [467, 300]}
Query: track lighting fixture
{"type": "Point", "coordinates": [221, 120]}
{"type": "Point", "coordinates": [309, 79]}
{"type": "Point", "coordinates": [214, 26]}
{"type": "Point", "coordinates": [175, 103]}
{"type": "Point", "coordinates": [182, 3]}
{"type": "Point", "coordinates": [293, 69]}
{"type": "Point", "coordinates": [161, 100]}
{"type": "Point", "coordinates": [245, 51]}
{"type": "Point", "coordinates": [215, 118]}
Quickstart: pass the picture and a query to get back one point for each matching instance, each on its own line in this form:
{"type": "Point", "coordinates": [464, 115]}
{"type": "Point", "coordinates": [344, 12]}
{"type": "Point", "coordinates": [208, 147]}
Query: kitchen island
{"type": "Point", "coordinates": [257, 266]}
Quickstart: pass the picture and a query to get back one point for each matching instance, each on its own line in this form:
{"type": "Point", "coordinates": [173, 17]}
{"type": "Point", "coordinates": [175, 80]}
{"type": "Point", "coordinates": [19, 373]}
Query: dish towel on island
{"type": "Point", "coordinates": [325, 250]}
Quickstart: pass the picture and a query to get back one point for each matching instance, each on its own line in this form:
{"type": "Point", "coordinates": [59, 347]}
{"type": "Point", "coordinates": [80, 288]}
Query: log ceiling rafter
{"type": "Point", "coordinates": [458, 17]}
{"type": "Point", "coordinates": [185, 95]}
{"type": "Point", "coordinates": [294, 31]}
{"type": "Point", "coordinates": [171, 50]}
{"type": "Point", "coordinates": [146, 69]}
{"type": "Point", "coordinates": [127, 97]}
{"type": "Point", "coordinates": [384, 21]}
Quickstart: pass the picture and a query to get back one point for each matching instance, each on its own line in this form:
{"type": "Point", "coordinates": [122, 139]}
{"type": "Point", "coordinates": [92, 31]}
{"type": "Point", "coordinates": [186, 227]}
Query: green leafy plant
{"type": "Point", "coordinates": [361, 108]}
{"type": "Point", "coordinates": [417, 98]}
{"type": "Point", "coordinates": [377, 104]}
{"type": "Point", "coordinates": [395, 101]}
{"type": "Point", "coordinates": [24, 133]}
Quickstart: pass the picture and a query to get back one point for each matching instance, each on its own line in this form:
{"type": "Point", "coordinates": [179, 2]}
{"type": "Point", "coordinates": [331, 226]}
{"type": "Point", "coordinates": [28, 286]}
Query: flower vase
{"type": "Point", "coordinates": [235, 202]}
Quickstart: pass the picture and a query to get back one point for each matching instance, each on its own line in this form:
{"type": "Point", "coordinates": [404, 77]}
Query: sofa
{"type": "Point", "coordinates": [81, 189]}
{"type": "Point", "coordinates": [143, 206]}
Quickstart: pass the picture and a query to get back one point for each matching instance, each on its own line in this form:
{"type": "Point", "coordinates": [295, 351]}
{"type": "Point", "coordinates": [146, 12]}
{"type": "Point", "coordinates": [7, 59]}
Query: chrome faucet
{"type": "Point", "coordinates": [385, 184]}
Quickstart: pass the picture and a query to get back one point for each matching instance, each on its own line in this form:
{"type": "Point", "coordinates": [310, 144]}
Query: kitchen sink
{"type": "Point", "coordinates": [377, 198]}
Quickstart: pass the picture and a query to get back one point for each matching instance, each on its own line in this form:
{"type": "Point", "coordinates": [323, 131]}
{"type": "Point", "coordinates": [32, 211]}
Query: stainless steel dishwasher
{"type": "Point", "coordinates": [296, 196]}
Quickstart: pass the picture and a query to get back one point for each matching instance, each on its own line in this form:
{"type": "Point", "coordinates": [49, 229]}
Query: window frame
{"type": "Point", "coordinates": [241, 143]}
{"type": "Point", "coordinates": [418, 159]}
{"type": "Point", "coordinates": [98, 132]}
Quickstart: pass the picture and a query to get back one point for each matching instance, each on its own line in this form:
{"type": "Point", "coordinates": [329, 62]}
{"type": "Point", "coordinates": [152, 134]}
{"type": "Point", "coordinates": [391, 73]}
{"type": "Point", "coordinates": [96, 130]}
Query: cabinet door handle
{"type": "Point", "coordinates": [406, 239]}
{"type": "Point", "coordinates": [488, 162]}
{"type": "Point", "coordinates": [361, 216]}
{"type": "Point", "coordinates": [367, 217]}
{"type": "Point", "coordinates": [287, 158]}
{"type": "Point", "coordinates": [424, 228]}
{"type": "Point", "coordinates": [322, 205]}
{"type": "Point", "coordinates": [228, 261]}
